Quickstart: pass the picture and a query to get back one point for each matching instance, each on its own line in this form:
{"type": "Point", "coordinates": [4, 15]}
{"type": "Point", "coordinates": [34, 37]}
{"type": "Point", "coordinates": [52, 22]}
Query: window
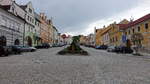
{"type": "Point", "coordinates": [113, 39]}
{"type": "Point", "coordinates": [29, 29]}
{"type": "Point", "coordinates": [129, 32]}
{"type": "Point", "coordinates": [32, 20]}
{"type": "Point", "coordinates": [139, 29]}
{"type": "Point", "coordinates": [28, 18]}
{"type": "Point", "coordinates": [133, 31]}
{"type": "Point", "coordinates": [116, 39]}
{"type": "Point", "coordinates": [146, 26]}
{"type": "Point", "coordinates": [38, 24]}
{"type": "Point", "coordinates": [35, 23]}
{"type": "Point", "coordinates": [19, 27]}
{"type": "Point", "coordinates": [30, 10]}
{"type": "Point", "coordinates": [13, 10]}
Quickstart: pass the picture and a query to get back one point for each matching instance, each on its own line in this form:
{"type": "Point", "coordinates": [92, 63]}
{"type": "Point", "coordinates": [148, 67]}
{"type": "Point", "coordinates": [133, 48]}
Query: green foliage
{"type": "Point", "coordinates": [76, 39]}
{"type": "Point", "coordinates": [74, 48]}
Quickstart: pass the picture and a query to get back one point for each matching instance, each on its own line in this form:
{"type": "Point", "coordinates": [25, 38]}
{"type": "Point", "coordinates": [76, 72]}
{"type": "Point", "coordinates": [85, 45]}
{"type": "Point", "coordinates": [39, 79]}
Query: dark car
{"type": "Point", "coordinates": [8, 50]}
{"type": "Point", "coordinates": [16, 49]}
{"type": "Point", "coordinates": [2, 51]}
{"type": "Point", "coordinates": [123, 49]}
{"type": "Point", "coordinates": [5, 50]}
{"type": "Point", "coordinates": [46, 45]}
{"type": "Point", "coordinates": [38, 46]}
{"type": "Point", "coordinates": [103, 47]}
{"type": "Point", "coordinates": [43, 45]}
{"type": "Point", "coordinates": [55, 45]}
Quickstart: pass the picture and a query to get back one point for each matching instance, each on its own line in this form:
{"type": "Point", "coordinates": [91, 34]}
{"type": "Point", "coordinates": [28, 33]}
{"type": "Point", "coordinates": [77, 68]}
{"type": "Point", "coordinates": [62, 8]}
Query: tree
{"type": "Point", "coordinates": [137, 39]}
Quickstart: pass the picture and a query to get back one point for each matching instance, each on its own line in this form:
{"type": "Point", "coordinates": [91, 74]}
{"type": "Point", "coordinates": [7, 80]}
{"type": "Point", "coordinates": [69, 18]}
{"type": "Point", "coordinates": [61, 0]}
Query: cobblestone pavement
{"type": "Point", "coordinates": [45, 67]}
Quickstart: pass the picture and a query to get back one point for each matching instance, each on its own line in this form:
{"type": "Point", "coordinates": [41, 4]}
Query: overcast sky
{"type": "Point", "coordinates": [81, 16]}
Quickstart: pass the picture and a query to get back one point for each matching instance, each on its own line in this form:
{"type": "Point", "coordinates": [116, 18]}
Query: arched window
{"type": "Point", "coordinates": [17, 42]}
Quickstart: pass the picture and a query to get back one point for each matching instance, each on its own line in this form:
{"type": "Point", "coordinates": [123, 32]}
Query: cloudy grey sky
{"type": "Point", "coordinates": [81, 16]}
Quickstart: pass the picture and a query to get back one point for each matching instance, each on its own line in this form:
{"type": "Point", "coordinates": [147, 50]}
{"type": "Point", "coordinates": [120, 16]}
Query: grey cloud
{"type": "Point", "coordinates": [72, 15]}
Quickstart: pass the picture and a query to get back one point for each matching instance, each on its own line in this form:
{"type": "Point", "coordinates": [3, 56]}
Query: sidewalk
{"type": "Point", "coordinates": [145, 52]}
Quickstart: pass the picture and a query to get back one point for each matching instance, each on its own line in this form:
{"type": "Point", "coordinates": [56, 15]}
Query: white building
{"type": "Point", "coordinates": [38, 28]}
{"type": "Point", "coordinates": [11, 25]}
{"type": "Point", "coordinates": [91, 39]}
{"type": "Point", "coordinates": [30, 24]}
{"type": "Point", "coordinates": [68, 39]}
{"type": "Point", "coordinates": [55, 35]}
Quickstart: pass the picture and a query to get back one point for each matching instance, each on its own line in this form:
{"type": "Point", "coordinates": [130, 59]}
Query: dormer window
{"type": "Point", "coordinates": [13, 10]}
{"type": "Point", "coordinates": [30, 10]}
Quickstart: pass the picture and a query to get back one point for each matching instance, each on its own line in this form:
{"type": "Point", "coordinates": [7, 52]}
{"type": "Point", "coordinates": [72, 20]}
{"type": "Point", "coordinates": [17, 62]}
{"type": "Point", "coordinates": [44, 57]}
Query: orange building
{"type": "Point", "coordinates": [45, 30]}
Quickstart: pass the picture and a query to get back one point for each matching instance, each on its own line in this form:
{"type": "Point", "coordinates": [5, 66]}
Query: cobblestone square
{"type": "Point", "coordinates": [45, 67]}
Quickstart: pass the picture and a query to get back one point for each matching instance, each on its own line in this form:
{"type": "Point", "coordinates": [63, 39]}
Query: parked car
{"type": "Point", "coordinates": [43, 45]}
{"type": "Point", "coordinates": [92, 46]}
{"type": "Point", "coordinates": [8, 50]}
{"type": "Point", "coordinates": [111, 49]}
{"type": "Point", "coordinates": [38, 46]}
{"type": "Point", "coordinates": [33, 49]}
{"type": "Point", "coordinates": [5, 50]}
{"type": "Point", "coordinates": [123, 49]}
{"type": "Point", "coordinates": [27, 49]}
{"type": "Point", "coordinates": [103, 47]}
{"type": "Point", "coordinates": [16, 49]}
{"type": "Point", "coordinates": [46, 45]}
{"type": "Point", "coordinates": [55, 45]}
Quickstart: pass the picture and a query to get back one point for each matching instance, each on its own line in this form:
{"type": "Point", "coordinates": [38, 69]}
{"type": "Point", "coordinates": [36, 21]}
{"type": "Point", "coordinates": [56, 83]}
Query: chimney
{"type": "Point", "coordinates": [131, 19]}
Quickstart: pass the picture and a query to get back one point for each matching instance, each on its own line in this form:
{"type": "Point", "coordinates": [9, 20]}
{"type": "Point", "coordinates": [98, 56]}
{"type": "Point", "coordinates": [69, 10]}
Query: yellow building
{"type": "Point", "coordinates": [142, 26]}
{"type": "Point", "coordinates": [105, 36]}
{"type": "Point", "coordinates": [83, 40]}
{"type": "Point", "coordinates": [98, 36]}
{"type": "Point", "coordinates": [116, 33]}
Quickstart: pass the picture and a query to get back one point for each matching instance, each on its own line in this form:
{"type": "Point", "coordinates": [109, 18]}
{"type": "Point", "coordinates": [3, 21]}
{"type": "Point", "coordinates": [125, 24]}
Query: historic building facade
{"type": "Point", "coordinates": [12, 23]}
{"type": "Point", "coordinates": [30, 29]}
{"type": "Point", "coordinates": [98, 36]}
{"type": "Point", "coordinates": [55, 35]}
{"type": "Point", "coordinates": [105, 36]}
{"type": "Point", "coordinates": [45, 29]}
{"type": "Point", "coordinates": [116, 33]}
{"type": "Point", "coordinates": [38, 39]}
{"type": "Point", "coordinates": [11, 28]}
{"type": "Point", "coordinates": [139, 26]}
{"type": "Point", "coordinates": [25, 25]}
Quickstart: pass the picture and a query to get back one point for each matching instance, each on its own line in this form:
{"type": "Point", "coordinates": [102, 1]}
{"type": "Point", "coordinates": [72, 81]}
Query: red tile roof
{"type": "Point", "coordinates": [5, 7]}
{"type": "Point", "coordinates": [122, 26]}
{"type": "Point", "coordinates": [142, 19]}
